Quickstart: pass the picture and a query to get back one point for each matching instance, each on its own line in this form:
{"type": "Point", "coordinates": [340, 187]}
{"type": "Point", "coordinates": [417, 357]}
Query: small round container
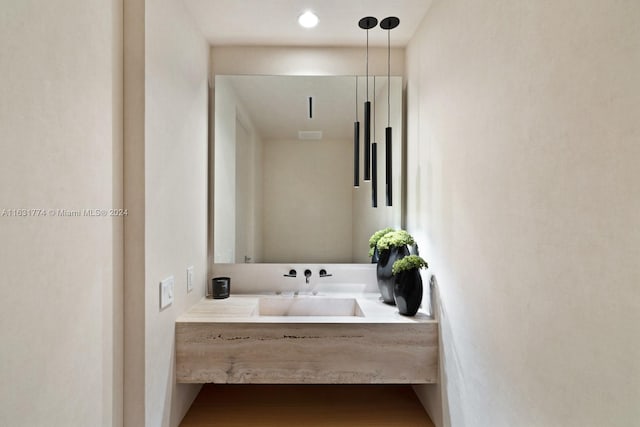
{"type": "Point", "coordinates": [220, 287]}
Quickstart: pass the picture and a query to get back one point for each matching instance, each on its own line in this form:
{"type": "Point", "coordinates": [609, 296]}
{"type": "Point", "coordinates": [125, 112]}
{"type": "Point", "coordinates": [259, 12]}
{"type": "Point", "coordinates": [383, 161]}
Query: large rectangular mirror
{"type": "Point", "coordinates": [284, 167]}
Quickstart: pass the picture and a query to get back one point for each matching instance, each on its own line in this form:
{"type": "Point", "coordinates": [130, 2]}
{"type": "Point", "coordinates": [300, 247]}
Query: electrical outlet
{"type": "Point", "coordinates": [189, 279]}
{"type": "Point", "coordinates": [166, 292]}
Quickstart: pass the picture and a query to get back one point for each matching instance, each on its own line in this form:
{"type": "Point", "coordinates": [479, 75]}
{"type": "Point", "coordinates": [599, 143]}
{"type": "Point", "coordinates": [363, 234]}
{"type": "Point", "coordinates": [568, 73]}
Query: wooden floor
{"type": "Point", "coordinates": [306, 405]}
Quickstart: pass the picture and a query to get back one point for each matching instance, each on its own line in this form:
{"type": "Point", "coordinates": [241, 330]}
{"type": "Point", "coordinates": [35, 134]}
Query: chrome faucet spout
{"type": "Point", "coordinates": [307, 275]}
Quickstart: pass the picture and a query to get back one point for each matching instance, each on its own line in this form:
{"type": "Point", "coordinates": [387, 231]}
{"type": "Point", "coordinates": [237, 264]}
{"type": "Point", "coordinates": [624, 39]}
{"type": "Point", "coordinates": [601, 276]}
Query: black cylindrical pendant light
{"type": "Point", "coordinates": [367, 140]}
{"type": "Point", "coordinates": [366, 24]}
{"type": "Point", "coordinates": [388, 168]}
{"type": "Point", "coordinates": [389, 24]}
{"type": "Point", "coordinates": [374, 175]}
{"type": "Point", "coordinates": [356, 145]}
{"type": "Point", "coordinates": [374, 154]}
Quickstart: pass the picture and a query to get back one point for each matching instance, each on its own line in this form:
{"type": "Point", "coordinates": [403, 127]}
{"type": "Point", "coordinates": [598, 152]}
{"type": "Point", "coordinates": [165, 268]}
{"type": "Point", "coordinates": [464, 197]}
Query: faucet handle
{"type": "Point", "coordinates": [292, 273]}
{"type": "Point", "coordinates": [323, 273]}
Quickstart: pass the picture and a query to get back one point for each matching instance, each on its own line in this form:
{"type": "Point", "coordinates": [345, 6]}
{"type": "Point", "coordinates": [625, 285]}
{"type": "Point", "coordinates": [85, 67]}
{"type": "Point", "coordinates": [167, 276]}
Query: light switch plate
{"type": "Point", "coordinates": [166, 292]}
{"type": "Point", "coordinates": [189, 279]}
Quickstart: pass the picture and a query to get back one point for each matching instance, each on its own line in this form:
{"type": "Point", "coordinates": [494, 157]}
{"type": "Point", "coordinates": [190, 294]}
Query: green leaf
{"type": "Point", "coordinates": [395, 239]}
{"type": "Point", "coordinates": [408, 263]}
{"type": "Point", "coordinates": [376, 236]}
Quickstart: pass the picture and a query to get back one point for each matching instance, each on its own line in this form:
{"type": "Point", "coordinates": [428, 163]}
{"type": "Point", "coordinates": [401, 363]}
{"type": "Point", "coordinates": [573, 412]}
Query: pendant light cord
{"type": "Point", "coordinates": [388, 78]}
{"type": "Point", "coordinates": [356, 98]}
{"type": "Point", "coordinates": [367, 66]}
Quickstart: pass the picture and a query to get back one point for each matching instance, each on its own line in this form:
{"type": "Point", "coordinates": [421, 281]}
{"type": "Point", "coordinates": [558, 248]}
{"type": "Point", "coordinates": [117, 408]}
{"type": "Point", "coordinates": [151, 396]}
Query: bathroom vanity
{"type": "Point", "coordinates": [323, 338]}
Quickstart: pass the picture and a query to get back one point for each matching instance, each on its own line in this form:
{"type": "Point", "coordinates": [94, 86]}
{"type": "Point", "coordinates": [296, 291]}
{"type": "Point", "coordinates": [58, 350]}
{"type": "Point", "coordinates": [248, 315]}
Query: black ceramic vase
{"type": "Point", "coordinates": [408, 291]}
{"type": "Point", "coordinates": [375, 257]}
{"type": "Point", "coordinates": [386, 279]}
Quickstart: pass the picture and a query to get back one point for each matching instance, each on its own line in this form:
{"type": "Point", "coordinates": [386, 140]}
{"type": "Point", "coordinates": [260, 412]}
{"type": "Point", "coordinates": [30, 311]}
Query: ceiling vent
{"type": "Point", "coordinates": [310, 135]}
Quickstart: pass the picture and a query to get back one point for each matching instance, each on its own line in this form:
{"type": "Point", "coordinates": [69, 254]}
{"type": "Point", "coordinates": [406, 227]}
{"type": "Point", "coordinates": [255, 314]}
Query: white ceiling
{"type": "Point", "coordinates": [277, 105]}
{"type": "Point", "coordinates": [274, 22]}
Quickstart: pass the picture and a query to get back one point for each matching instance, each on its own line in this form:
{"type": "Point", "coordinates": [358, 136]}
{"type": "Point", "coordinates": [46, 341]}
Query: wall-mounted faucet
{"type": "Point", "coordinates": [292, 273]}
{"type": "Point", "coordinates": [307, 274]}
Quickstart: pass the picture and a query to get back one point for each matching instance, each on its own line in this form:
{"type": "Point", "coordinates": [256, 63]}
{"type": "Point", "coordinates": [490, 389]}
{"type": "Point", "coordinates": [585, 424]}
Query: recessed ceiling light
{"type": "Point", "coordinates": [308, 19]}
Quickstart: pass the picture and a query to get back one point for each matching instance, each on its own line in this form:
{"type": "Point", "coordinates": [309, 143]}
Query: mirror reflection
{"type": "Point", "coordinates": [283, 169]}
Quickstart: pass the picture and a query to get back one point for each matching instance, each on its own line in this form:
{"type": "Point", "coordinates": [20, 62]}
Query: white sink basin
{"type": "Point", "coordinates": [308, 306]}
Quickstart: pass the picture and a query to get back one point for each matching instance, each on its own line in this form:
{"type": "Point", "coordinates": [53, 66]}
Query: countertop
{"type": "Point", "coordinates": [243, 308]}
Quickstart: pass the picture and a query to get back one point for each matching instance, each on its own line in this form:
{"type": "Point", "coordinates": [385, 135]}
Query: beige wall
{"type": "Point", "coordinates": [524, 191]}
{"type": "Point", "coordinates": [166, 98]}
{"type": "Point", "coordinates": [61, 148]}
{"type": "Point", "coordinates": [230, 111]}
{"type": "Point", "coordinates": [304, 61]}
{"type": "Point", "coordinates": [176, 70]}
{"type": "Point", "coordinates": [134, 247]}
{"type": "Point", "coordinates": [225, 165]}
{"type": "Point", "coordinates": [307, 201]}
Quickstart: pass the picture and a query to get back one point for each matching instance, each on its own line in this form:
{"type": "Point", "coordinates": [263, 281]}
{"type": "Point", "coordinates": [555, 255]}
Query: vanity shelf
{"type": "Point", "coordinates": [231, 341]}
